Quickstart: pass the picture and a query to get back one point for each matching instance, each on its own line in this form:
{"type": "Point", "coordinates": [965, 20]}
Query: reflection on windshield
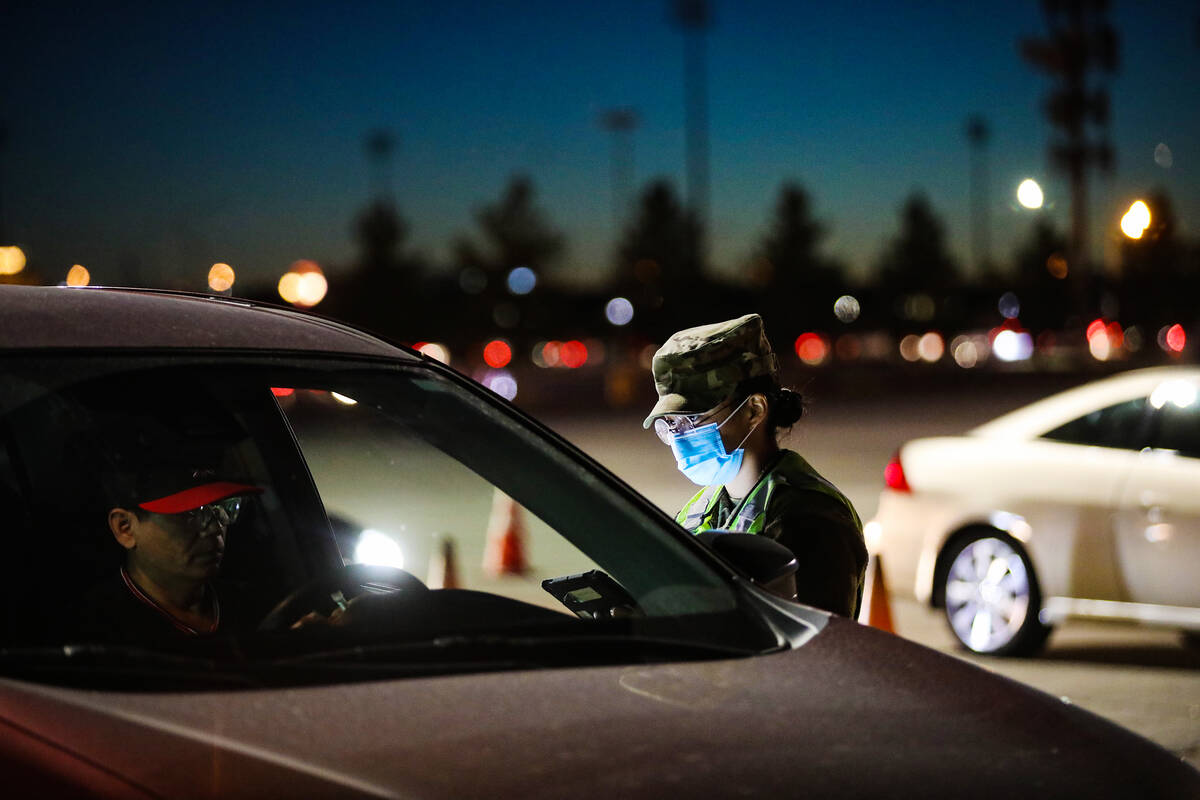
{"type": "Point", "coordinates": [315, 506]}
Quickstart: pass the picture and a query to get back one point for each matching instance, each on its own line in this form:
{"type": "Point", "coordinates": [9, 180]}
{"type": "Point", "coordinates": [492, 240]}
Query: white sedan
{"type": "Point", "coordinates": [1083, 504]}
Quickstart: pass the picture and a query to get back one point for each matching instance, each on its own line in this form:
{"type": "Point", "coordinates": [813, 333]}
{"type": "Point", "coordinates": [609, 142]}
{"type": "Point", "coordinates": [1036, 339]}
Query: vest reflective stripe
{"type": "Point", "coordinates": [696, 515]}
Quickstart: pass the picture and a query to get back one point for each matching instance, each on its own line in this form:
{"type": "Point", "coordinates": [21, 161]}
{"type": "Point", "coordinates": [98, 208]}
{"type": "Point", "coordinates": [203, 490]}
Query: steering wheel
{"type": "Point", "coordinates": [346, 582]}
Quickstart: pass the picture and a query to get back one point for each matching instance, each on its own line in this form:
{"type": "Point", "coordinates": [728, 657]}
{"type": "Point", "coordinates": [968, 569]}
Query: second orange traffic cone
{"type": "Point", "coordinates": [504, 553]}
{"type": "Point", "coordinates": [876, 608]}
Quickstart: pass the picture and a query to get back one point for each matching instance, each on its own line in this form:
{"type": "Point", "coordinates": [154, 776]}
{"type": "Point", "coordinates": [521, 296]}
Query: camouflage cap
{"type": "Point", "coordinates": [698, 368]}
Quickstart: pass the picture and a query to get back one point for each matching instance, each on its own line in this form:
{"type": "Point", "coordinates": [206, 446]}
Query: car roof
{"type": "Point", "coordinates": [39, 317]}
{"type": "Point", "coordinates": [1057, 409]}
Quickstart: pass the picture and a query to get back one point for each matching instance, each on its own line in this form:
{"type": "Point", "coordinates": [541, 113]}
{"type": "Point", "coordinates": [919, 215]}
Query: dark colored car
{"type": "Point", "coordinates": [578, 644]}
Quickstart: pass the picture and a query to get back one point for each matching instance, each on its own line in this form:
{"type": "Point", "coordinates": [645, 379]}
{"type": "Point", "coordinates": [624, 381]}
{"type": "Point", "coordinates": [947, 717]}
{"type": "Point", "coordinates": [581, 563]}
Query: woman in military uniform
{"type": "Point", "coordinates": [720, 409]}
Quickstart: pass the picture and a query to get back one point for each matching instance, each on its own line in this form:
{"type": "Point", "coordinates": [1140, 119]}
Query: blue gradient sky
{"type": "Point", "coordinates": [181, 135]}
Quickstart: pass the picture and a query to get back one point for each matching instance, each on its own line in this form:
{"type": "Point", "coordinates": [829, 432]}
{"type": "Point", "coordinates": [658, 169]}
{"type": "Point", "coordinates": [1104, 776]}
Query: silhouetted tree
{"type": "Point", "coordinates": [515, 233]}
{"type": "Point", "coordinates": [917, 258]}
{"type": "Point", "coordinates": [788, 262]}
{"type": "Point", "coordinates": [658, 258]}
{"type": "Point", "coordinates": [1041, 277]}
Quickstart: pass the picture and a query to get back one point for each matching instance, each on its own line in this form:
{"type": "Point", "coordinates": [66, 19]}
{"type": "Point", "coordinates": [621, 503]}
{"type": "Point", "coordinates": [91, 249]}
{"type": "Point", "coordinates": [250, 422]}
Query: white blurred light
{"type": "Point", "coordinates": [1009, 305]}
{"type": "Point", "coordinates": [438, 352]}
{"type": "Point", "coordinates": [1029, 194]}
{"type": "Point", "coordinates": [522, 280]}
{"type": "Point", "coordinates": [872, 533]}
{"type": "Point", "coordinates": [619, 311]}
{"type": "Point", "coordinates": [910, 347]}
{"type": "Point", "coordinates": [379, 549]}
{"type": "Point", "coordinates": [1136, 220]}
{"type": "Point", "coordinates": [847, 308]}
{"type": "Point", "coordinates": [931, 347]}
{"type": "Point", "coordinates": [343, 399]}
{"type": "Point", "coordinates": [501, 382]}
{"type": "Point", "coordinates": [965, 353]}
{"type": "Point", "coordinates": [1162, 155]}
{"type": "Point", "coordinates": [1178, 392]}
{"type": "Point", "coordinates": [1012, 345]}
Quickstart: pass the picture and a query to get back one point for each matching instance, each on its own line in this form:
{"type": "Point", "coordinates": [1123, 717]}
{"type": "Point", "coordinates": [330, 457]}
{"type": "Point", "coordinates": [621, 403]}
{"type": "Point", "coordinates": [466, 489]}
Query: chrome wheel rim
{"type": "Point", "coordinates": [987, 594]}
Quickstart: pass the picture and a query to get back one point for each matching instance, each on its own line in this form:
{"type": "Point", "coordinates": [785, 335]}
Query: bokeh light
{"type": "Point", "coordinates": [12, 260]}
{"type": "Point", "coordinates": [1172, 338]}
{"type": "Point", "coordinates": [965, 352]}
{"type": "Point", "coordinates": [811, 348]}
{"type": "Point", "coordinates": [220, 277]}
{"type": "Point", "coordinates": [303, 285]}
{"type": "Point", "coordinates": [1136, 220]}
{"type": "Point", "coordinates": [619, 311]}
{"type": "Point", "coordinates": [522, 280]}
{"type": "Point", "coordinates": [438, 352]}
{"type": "Point", "coordinates": [847, 308]}
{"type": "Point", "coordinates": [345, 400]}
{"type": "Point", "coordinates": [378, 549]}
{"type": "Point", "coordinates": [1010, 345]}
{"type": "Point", "coordinates": [501, 382]}
{"type": "Point", "coordinates": [931, 347]}
{"type": "Point", "coordinates": [1029, 194]}
{"type": "Point", "coordinates": [78, 275]}
{"type": "Point", "coordinates": [1009, 305]}
{"type": "Point", "coordinates": [573, 354]}
{"type": "Point", "coordinates": [910, 347]}
{"type": "Point", "coordinates": [497, 353]}
{"type": "Point", "coordinates": [1056, 265]}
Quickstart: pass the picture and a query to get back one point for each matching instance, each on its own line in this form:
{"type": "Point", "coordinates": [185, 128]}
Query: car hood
{"type": "Point", "coordinates": [853, 713]}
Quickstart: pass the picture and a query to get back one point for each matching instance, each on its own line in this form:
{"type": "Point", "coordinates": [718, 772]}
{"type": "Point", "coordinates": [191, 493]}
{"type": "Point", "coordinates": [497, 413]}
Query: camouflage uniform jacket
{"type": "Point", "coordinates": [797, 507]}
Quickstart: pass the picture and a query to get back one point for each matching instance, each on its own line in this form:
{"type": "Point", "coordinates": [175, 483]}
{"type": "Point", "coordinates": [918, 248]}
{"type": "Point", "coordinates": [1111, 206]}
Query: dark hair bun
{"type": "Point", "coordinates": [787, 408]}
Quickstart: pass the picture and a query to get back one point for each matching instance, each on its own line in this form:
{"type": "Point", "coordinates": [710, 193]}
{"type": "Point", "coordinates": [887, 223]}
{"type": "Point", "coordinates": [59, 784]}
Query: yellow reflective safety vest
{"type": "Point", "coordinates": [700, 513]}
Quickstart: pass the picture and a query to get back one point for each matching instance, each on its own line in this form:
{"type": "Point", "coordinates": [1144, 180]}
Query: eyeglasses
{"type": "Point", "coordinates": [223, 512]}
{"type": "Point", "coordinates": [666, 427]}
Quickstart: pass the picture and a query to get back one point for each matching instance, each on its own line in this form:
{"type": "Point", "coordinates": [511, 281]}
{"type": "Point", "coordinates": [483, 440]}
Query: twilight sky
{"type": "Point", "coordinates": [176, 135]}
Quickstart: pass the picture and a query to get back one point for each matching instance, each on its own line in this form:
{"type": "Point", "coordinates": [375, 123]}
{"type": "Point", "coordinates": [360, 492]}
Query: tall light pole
{"type": "Point", "coordinates": [694, 18]}
{"type": "Point", "coordinates": [380, 144]}
{"type": "Point", "coordinates": [620, 122]}
{"type": "Point", "coordinates": [978, 135]}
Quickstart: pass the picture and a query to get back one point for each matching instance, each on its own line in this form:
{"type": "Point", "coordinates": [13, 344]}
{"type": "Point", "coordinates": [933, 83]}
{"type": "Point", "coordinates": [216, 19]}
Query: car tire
{"type": "Point", "coordinates": [990, 595]}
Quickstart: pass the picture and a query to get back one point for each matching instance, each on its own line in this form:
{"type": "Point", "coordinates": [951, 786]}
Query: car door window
{"type": "Point", "coordinates": [1176, 425]}
{"type": "Point", "coordinates": [1121, 426]}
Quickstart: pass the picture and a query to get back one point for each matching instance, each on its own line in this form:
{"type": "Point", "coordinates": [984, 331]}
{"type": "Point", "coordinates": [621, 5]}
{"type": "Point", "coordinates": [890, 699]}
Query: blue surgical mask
{"type": "Point", "coordinates": [700, 454]}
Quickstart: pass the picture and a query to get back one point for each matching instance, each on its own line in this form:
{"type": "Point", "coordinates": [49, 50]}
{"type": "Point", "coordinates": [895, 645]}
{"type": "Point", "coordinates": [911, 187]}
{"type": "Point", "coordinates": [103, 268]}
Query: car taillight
{"type": "Point", "coordinates": [893, 475]}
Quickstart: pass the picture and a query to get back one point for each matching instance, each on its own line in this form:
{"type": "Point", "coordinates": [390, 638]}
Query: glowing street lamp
{"type": "Point", "coordinates": [220, 278]}
{"type": "Point", "coordinates": [12, 260]}
{"type": "Point", "coordinates": [1029, 194]}
{"type": "Point", "coordinates": [1136, 220]}
{"type": "Point", "coordinates": [303, 285]}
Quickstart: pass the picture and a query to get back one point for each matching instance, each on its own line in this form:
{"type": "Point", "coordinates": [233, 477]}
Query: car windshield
{"type": "Point", "coordinates": [392, 516]}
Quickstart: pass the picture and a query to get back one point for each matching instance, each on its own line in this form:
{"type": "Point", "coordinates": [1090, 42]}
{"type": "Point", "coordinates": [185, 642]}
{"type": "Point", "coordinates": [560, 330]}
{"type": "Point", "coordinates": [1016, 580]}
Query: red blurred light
{"type": "Point", "coordinates": [1095, 328]}
{"type": "Point", "coordinates": [551, 354]}
{"type": "Point", "coordinates": [1176, 338]}
{"type": "Point", "coordinates": [497, 353]}
{"type": "Point", "coordinates": [573, 354]}
{"type": "Point", "coordinates": [893, 475]}
{"type": "Point", "coordinates": [280, 392]}
{"type": "Point", "coordinates": [1116, 336]}
{"type": "Point", "coordinates": [811, 348]}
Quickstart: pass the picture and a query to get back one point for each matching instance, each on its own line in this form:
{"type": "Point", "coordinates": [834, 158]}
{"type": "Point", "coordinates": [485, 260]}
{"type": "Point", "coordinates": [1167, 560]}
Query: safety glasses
{"type": "Point", "coordinates": [668, 427]}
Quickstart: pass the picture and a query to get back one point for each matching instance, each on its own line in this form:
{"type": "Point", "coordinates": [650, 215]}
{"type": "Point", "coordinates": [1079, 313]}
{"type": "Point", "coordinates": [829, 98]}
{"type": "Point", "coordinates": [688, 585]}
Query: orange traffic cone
{"type": "Point", "coordinates": [876, 608]}
{"type": "Point", "coordinates": [505, 550]}
{"type": "Point", "coordinates": [443, 570]}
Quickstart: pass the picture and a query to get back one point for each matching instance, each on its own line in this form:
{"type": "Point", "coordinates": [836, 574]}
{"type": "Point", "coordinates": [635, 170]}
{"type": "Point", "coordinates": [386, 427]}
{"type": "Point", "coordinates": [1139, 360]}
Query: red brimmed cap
{"type": "Point", "coordinates": [197, 496]}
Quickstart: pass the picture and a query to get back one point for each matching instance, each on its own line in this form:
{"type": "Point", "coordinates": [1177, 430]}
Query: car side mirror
{"type": "Point", "coordinates": [765, 561]}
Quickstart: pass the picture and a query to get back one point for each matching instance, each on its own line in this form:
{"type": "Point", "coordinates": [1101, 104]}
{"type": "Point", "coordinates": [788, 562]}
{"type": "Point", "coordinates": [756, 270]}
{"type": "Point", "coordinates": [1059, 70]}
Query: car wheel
{"type": "Point", "coordinates": [990, 596]}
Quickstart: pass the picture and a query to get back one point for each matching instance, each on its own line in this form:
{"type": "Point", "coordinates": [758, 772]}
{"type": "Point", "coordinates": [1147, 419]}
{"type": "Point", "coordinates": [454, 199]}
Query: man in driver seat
{"type": "Point", "coordinates": [171, 517]}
